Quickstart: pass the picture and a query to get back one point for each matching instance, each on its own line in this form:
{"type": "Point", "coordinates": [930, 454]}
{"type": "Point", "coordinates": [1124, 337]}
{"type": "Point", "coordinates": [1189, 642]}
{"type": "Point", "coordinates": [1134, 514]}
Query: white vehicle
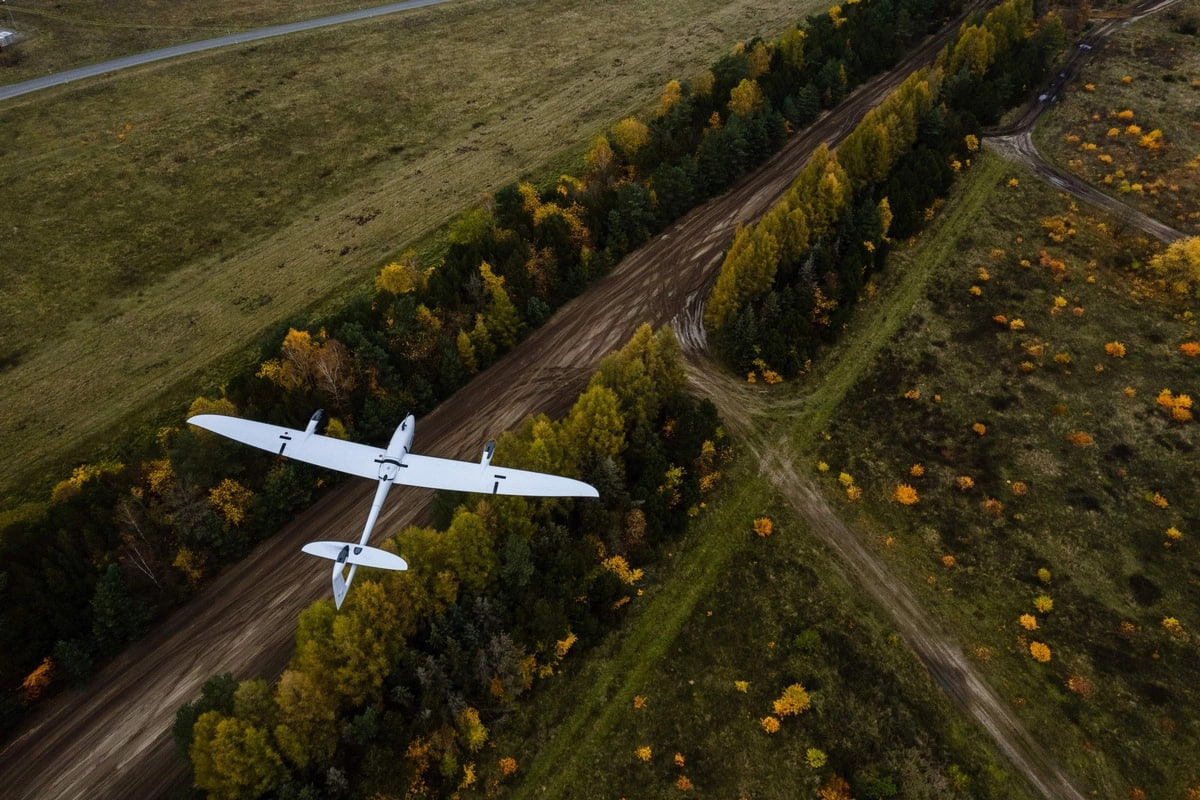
{"type": "Point", "coordinates": [389, 466]}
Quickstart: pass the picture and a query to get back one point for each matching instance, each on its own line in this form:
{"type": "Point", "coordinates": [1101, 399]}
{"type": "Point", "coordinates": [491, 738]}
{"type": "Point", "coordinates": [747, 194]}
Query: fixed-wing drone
{"type": "Point", "coordinates": [389, 466]}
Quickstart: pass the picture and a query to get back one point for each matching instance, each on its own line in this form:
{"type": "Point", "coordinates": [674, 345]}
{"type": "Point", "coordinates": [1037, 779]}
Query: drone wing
{"type": "Point", "coordinates": [464, 476]}
{"type": "Point", "coordinates": [302, 445]}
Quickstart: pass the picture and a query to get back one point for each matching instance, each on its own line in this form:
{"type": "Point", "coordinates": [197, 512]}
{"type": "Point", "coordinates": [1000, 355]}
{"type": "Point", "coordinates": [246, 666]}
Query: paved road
{"type": "Point", "coordinates": [106, 67]}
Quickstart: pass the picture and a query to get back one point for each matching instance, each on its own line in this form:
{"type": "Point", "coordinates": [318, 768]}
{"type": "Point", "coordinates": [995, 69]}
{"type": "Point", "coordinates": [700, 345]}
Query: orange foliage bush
{"type": "Point", "coordinates": [965, 482]}
{"type": "Point", "coordinates": [1115, 349]}
{"type": "Point", "coordinates": [1019, 489]}
{"type": "Point", "coordinates": [37, 681]}
{"type": "Point", "coordinates": [993, 507]}
{"type": "Point", "coordinates": [508, 765]}
{"type": "Point", "coordinates": [794, 700]}
{"type": "Point", "coordinates": [763, 526]}
{"type": "Point", "coordinates": [1080, 439]}
{"type": "Point", "coordinates": [770, 724]}
{"type": "Point", "coordinates": [905, 494]}
{"type": "Point", "coordinates": [1039, 651]}
{"type": "Point", "coordinates": [1081, 686]}
{"type": "Point", "coordinates": [837, 788]}
{"type": "Point", "coordinates": [1190, 349]}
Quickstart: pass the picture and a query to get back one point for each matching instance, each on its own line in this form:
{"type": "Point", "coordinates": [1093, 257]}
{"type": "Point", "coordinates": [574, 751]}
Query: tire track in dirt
{"type": "Point", "coordinates": [112, 738]}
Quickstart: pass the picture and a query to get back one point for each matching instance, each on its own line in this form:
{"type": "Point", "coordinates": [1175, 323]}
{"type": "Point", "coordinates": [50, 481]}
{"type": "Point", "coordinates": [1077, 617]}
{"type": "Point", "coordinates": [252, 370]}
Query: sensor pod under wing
{"type": "Point", "coordinates": [388, 466]}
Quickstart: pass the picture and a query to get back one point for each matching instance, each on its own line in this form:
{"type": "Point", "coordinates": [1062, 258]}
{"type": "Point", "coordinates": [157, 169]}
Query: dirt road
{"type": "Point", "coordinates": [1015, 142]}
{"type": "Point", "coordinates": [112, 738]}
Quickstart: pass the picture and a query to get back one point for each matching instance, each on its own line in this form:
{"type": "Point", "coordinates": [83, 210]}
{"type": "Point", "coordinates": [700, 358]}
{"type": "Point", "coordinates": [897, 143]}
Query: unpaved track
{"type": "Point", "coordinates": [744, 409]}
{"type": "Point", "coordinates": [112, 738]}
{"type": "Point", "coordinates": [1015, 142]}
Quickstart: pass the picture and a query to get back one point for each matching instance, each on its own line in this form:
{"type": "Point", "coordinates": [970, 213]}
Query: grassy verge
{"type": "Point", "coordinates": [163, 220]}
{"type": "Point", "coordinates": [1145, 80]}
{"type": "Point", "coordinates": [1041, 496]}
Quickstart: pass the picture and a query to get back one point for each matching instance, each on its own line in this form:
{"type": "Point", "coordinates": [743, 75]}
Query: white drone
{"type": "Point", "coordinates": [393, 465]}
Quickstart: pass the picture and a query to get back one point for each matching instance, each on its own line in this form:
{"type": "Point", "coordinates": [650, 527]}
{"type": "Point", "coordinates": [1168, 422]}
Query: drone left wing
{"type": "Point", "coordinates": [464, 476]}
{"type": "Point", "coordinates": [324, 451]}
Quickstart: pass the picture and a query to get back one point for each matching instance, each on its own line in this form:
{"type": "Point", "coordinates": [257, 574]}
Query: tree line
{"type": "Point", "coordinates": [394, 694]}
{"type": "Point", "coordinates": [120, 542]}
{"type": "Point", "coordinates": [788, 283]}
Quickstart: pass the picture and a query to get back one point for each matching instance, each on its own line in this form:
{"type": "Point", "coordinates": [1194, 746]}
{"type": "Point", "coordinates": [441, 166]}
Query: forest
{"type": "Point", "coordinates": [121, 541]}
{"type": "Point", "coordinates": [789, 283]}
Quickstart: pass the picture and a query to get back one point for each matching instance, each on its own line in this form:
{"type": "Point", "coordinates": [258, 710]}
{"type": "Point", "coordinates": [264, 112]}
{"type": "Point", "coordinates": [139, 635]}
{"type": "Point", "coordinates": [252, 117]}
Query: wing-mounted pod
{"type": "Point", "coordinates": [489, 450]}
{"type": "Point", "coordinates": [312, 423]}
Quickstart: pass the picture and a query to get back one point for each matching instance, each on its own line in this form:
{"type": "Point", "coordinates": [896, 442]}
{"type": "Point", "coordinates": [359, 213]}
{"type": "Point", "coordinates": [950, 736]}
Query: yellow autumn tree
{"type": "Point", "coordinates": [746, 97]}
{"type": "Point", "coordinates": [37, 681]}
{"type": "Point", "coordinates": [601, 164]}
{"type": "Point", "coordinates": [205, 405]}
{"type": "Point", "coordinates": [760, 59]}
{"type": "Point", "coordinates": [306, 719]}
{"type": "Point", "coordinates": [629, 135]}
{"type": "Point", "coordinates": [230, 499]}
{"type": "Point", "coordinates": [746, 274]}
{"type": "Point", "coordinates": [474, 733]}
{"type": "Point", "coordinates": [233, 759]}
{"type": "Point", "coordinates": [311, 363]}
{"type": "Point", "coordinates": [791, 47]}
{"type": "Point", "coordinates": [794, 700]}
{"type": "Point", "coordinates": [504, 322]}
{"type": "Point", "coordinates": [1179, 265]}
{"type": "Point", "coordinates": [595, 424]}
{"type": "Point", "coordinates": [401, 277]}
{"type": "Point", "coordinates": [672, 94]}
{"type": "Point", "coordinates": [81, 475]}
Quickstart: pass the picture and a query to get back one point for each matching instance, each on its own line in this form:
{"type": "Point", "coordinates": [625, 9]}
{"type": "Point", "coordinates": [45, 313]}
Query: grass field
{"type": "Point", "coordinates": [161, 221]}
{"type": "Point", "coordinates": [86, 32]}
{"type": "Point", "coordinates": [1118, 681]}
{"type": "Point", "coordinates": [1146, 79]}
{"type": "Point", "coordinates": [729, 606]}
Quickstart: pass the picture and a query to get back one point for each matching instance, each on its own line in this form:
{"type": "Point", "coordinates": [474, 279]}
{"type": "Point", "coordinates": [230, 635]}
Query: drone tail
{"type": "Point", "coordinates": [344, 554]}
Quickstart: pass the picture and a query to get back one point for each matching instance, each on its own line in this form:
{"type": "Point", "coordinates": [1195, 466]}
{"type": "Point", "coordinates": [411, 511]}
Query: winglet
{"type": "Point", "coordinates": [488, 450]}
{"type": "Point", "coordinates": [312, 423]}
